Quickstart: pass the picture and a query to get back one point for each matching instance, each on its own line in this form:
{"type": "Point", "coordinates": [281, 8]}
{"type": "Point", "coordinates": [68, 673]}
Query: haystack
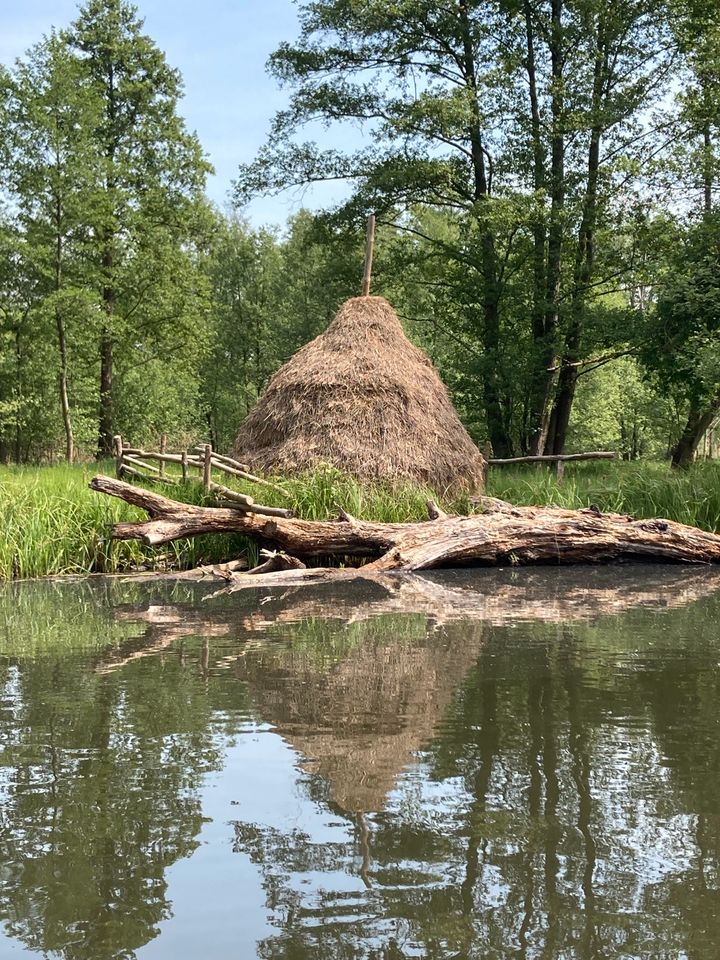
{"type": "Point", "coordinates": [362, 398]}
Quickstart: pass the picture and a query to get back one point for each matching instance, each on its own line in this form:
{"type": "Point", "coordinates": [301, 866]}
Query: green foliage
{"type": "Point", "coordinates": [106, 209]}
{"type": "Point", "coordinates": [683, 345]}
{"type": "Point", "coordinates": [270, 295]}
{"type": "Point", "coordinates": [513, 120]}
{"type": "Point", "coordinates": [507, 156]}
{"type": "Point", "coordinates": [617, 408]}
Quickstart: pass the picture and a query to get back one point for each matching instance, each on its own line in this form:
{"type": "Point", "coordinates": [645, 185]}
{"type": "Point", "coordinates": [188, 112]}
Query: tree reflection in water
{"type": "Point", "coordinates": [538, 781]}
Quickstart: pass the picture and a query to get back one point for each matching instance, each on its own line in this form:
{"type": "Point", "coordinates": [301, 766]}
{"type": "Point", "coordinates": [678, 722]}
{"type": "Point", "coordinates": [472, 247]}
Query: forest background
{"type": "Point", "coordinates": [545, 180]}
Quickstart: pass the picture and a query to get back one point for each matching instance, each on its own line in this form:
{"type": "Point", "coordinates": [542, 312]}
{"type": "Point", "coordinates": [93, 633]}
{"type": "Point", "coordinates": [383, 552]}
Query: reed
{"type": "Point", "coordinates": [52, 524]}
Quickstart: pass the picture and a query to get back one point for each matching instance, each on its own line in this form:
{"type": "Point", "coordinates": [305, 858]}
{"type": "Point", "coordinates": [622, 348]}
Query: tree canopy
{"type": "Point", "coordinates": [544, 173]}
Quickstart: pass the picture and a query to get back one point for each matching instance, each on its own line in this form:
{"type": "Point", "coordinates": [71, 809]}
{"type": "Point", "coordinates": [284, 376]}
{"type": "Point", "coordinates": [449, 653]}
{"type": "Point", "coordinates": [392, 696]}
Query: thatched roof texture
{"type": "Point", "coordinates": [361, 397]}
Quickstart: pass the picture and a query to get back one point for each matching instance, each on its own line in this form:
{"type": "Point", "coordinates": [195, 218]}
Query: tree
{"type": "Point", "coordinates": [153, 176]}
{"type": "Point", "coordinates": [683, 342]}
{"type": "Point", "coordinates": [511, 116]}
{"type": "Point", "coordinates": [109, 230]}
{"type": "Point", "coordinates": [52, 174]}
{"type": "Point", "coordinates": [689, 301]}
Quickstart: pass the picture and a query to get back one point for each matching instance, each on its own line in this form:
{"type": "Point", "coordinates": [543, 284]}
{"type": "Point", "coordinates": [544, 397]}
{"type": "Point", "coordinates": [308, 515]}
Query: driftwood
{"type": "Point", "coordinates": [501, 535]}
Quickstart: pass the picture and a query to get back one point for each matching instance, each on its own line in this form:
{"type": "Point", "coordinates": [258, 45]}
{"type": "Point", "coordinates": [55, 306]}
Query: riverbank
{"type": "Point", "coordinates": [53, 524]}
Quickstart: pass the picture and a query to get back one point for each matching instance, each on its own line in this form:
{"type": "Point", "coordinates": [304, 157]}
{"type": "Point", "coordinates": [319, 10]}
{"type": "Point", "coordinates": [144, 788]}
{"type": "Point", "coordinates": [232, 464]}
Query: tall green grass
{"type": "Point", "coordinates": [51, 523]}
{"type": "Point", "coordinates": [638, 489]}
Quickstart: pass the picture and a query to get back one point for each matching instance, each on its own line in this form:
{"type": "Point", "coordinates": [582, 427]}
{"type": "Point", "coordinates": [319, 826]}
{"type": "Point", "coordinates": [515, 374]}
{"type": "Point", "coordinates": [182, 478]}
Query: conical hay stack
{"type": "Point", "coordinates": [362, 398]}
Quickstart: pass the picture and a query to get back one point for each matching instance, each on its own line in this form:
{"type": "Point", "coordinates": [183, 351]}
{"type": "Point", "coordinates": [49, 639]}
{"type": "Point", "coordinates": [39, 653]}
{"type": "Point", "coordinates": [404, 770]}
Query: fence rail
{"type": "Point", "coordinates": [133, 462]}
{"type": "Point", "coordinates": [559, 459]}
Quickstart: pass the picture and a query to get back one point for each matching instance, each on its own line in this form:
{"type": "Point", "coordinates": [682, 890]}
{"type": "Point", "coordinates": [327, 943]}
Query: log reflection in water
{"type": "Point", "coordinates": [495, 597]}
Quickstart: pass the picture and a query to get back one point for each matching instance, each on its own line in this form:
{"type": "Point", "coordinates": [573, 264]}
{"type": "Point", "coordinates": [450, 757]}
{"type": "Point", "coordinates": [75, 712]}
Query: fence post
{"type": "Point", "coordinates": [163, 447]}
{"type": "Point", "coordinates": [559, 469]}
{"type": "Point", "coordinates": [207, 467]}
{"type": "Point", "coordinates": [487, 452]}
{"type": "Point", "coordinates": [183, 464]}
{"type": "Point", "coordinates": [118, 450]}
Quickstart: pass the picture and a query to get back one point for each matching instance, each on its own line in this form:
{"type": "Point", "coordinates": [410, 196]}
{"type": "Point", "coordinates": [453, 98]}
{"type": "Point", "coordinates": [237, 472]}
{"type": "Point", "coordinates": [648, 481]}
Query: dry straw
{"type": "Point", "coordinates": [362, 398]}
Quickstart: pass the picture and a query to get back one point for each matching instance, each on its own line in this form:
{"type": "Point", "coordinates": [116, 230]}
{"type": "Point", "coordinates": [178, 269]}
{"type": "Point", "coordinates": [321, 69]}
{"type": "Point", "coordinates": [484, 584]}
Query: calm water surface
{"type": "Point", "coordinates": [487, 764]}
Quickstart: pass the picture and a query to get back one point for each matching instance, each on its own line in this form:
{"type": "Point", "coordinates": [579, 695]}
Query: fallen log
{"type": "Point", "coordinates": [502, 534]}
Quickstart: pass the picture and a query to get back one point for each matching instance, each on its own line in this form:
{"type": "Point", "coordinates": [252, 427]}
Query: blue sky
{"type": "Point", "coordinates": [220, 47]}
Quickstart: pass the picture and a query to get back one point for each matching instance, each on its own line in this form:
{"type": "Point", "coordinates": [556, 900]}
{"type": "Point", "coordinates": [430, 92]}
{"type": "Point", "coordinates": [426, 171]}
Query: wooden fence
{"type": "Point", "coordinates": [558, 459]}
{"type": "Point", "coordinates": [133, 462]}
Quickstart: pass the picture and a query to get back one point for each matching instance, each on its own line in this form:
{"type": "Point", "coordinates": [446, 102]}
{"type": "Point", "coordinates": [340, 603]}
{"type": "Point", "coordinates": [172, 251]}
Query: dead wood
{"type": "Point", "coordinates": [502, 534]}
{"type": "Point", "coordinates": [555, 458]}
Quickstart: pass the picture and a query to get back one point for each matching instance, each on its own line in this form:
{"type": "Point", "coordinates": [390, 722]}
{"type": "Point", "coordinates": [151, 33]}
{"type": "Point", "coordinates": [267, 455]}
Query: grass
{"type": "Point", "coordinates": [638, 489]}
{"type": "Point", "coordinates": [51, 523]}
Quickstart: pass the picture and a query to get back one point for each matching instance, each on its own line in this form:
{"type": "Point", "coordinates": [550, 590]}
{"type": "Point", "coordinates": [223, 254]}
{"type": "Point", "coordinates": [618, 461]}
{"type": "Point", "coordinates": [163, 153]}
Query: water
{"type": "Point", "coordinates": [489, 764]}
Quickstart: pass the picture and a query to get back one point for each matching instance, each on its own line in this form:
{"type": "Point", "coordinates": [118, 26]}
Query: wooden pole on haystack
{"type": "Point", "coordinates": [369, 245]}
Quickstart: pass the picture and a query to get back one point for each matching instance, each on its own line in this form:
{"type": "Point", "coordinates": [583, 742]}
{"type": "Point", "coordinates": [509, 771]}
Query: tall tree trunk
{"type": "Point", "coordinates": [106, 424]}
{"type": "Point", "coordinates": [567, 384]}
{"type": "Point", "coordinates": [18, 394]}
{"type": "Point", "coordinates": [62, 340]}
{"type": "Point", "coordinates": [533, 439]}
{"type": "Point", "coordinates": [699, 419]}
{"type": "Point", "coordinates": [64, 401]}
{"type": "Point", "coordinates": [499, 437]}
{"type": "Point", "coordinates": [546, 376]}
{"type": "Point", "coordinates": [584, 260]}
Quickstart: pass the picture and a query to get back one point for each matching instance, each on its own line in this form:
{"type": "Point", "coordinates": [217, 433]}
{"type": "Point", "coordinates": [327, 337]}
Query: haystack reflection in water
{"type": "Point", "coordinates": [496, 764]}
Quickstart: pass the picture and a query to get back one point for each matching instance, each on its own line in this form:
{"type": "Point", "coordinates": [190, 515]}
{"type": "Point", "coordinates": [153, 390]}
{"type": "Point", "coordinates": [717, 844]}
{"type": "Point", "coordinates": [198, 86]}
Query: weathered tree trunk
{"type": "Point", "coordinates": [62, 338]}
{"type": "Point", "coordinates": [503, 534]}
{"type": "Point", "coordinates": [547, 360]}
{"type": "Point", "coordinates": [106, 425]}
{"type": "Point", "coordinates": [698, 421]}
{"type": "Point", "coordinates": [482, 189]}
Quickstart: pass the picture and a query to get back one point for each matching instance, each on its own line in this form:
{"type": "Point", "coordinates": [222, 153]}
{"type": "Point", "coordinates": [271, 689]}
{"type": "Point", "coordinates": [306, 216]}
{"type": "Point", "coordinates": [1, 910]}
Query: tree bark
{"type": "Point", "coordinates": [584, 259]}
{"type": "Point", "coordinates": [62, 339]}
{"type": "Point", "coordinates": [698, 421]}
{"type": "Point", "coordinates": [546, 348]}
{"type": "Point", "coordinates": [503, 534]}
{"type": "Point", "coordinates": [488, 254]}
{"type": "Point", "coordinates": [106, 424]}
